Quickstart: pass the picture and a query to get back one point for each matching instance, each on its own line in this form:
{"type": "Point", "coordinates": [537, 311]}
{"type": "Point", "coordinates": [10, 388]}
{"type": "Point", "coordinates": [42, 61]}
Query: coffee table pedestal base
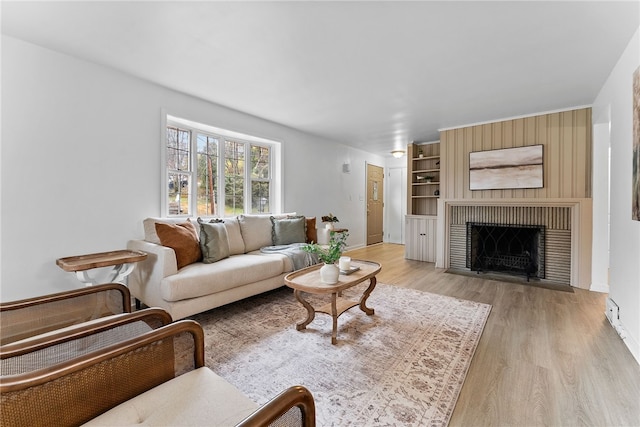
{"type": "Point", "coordinates": [335, 308]}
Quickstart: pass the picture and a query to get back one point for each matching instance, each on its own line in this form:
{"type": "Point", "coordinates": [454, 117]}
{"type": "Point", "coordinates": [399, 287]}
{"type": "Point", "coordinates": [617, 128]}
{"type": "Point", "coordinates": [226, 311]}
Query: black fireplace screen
{"type": "Point", "coordinates": [517, 249]}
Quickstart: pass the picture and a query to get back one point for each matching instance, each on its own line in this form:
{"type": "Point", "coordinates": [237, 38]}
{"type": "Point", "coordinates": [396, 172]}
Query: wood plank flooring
{"type": "Point", "coordinates": [546, 357]}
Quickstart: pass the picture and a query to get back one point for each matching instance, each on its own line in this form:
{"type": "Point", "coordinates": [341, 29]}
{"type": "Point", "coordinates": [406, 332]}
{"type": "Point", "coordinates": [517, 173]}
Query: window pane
{"type": "Point", "coordinates": [259, 197]}
{"type": "Point", "coordinates": [234, 178]}
{"type": "Point", "coordinates": [178, 143]}
{"type": "Point", "coordinates": [207, 157]}
{"type": "Point", "coordinates": [259, 162]}
{"type": "Point", "coordinates": [203, 168]}
{"type": "Point", "coordinates": [178, 194]}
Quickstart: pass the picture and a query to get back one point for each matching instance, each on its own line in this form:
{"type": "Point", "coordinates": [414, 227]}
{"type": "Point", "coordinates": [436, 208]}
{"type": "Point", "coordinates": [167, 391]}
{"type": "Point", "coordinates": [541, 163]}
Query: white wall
{"type": "Point", "coordinates": [614, 105]}
{"type": "Point", "coordinates": [600, 229]}
{"type": "Point", "coordinates": [80, 163]}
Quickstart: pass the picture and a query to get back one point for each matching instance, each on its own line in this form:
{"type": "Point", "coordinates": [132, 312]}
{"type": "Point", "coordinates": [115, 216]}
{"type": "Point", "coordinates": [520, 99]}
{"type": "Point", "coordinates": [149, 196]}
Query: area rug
{"type": "Point", "coordinates": [403, 366]}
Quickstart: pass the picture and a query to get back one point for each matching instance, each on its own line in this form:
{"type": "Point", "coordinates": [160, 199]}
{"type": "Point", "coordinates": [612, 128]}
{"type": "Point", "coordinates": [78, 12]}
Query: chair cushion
{"type": "Point", "coordinates": [197, 398]}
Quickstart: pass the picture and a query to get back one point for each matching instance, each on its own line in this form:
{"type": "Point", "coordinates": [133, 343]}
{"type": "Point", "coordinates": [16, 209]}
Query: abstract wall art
{"type": "Point", "coordinates": [506, 168]}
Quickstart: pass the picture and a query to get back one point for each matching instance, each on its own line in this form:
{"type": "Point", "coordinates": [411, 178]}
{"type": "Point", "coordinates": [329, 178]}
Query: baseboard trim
{"type": "Point", "coordinates": [631, 343]}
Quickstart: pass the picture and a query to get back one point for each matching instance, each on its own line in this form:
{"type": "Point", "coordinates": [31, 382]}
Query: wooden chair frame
{"type": "Point", "coordinates": [33, 316]}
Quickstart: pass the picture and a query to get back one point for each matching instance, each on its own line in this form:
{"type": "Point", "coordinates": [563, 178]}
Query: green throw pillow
{"type": "Point", "coordinates": [214, 241]}
{"type": "Point", "coordinates": [288, 230]}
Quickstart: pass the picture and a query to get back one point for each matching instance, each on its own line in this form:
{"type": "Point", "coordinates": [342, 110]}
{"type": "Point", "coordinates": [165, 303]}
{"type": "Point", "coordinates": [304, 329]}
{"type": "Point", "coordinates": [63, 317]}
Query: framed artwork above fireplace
{"type": "Point", "coordinates": [506, 168]}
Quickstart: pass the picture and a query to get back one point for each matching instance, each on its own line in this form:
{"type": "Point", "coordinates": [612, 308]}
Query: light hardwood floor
{"type": "Point", "coordinates": [546, 357]}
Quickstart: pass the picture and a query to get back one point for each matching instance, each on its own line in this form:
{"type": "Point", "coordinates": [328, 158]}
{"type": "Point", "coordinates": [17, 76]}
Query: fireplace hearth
{"type": "Point", "coordinates": [506, 248]}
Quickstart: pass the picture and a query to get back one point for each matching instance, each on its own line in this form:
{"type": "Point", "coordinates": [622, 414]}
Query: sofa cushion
{"type": "Point", "coordinates": [200, 279]}
{"type": "Point", "coordinates": [149, 225]}
{"type": "Point", "coordinates": [236, 243]}
{"type": "Point", "coordinates": [214, 241]}
{"type": "Point", "coordinates": [256, 231]}
{"type": "Point", "coordinates": [197, 398]}
{"type": "Point", "coordinates": [312, 233]}
{"type": "Point", "coordinates": [285, 231]}
{"type": "Point", "coordinates": [183, 239]}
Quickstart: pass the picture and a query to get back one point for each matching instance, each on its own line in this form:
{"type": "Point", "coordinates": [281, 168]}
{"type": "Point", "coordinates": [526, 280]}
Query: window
{"type": "Point", "coordinates": [212, 172]}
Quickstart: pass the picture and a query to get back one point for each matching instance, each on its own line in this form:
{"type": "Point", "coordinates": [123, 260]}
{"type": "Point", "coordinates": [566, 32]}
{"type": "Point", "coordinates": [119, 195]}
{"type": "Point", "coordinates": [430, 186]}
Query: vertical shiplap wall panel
{"type": "Point", "coordinates": [566, 137]}
{"type": "Point", "coordinates": [568, 157]}
{"type": "Point", "coordinates": [460, 161]}
{"type": "Point", "coordinates": [541, 135]}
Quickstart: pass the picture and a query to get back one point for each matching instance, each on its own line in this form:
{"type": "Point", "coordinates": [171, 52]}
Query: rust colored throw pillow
{"type": "Point", "coordinates": [182, 238]}
{"type": "Point", "coordinates": [312, 233]}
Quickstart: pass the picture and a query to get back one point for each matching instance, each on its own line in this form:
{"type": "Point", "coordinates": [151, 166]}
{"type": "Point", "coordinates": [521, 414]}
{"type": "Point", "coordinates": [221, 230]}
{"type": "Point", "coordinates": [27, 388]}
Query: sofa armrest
{"type": "Point", "coordinates": [293, 407]}
{"type": "Point", "coordinates": [144, 281]}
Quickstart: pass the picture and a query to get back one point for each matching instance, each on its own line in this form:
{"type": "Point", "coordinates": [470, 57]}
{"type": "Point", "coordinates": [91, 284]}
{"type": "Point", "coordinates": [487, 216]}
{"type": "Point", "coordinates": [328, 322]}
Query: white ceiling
{"type": "Point", "coordinates": [373, 75]}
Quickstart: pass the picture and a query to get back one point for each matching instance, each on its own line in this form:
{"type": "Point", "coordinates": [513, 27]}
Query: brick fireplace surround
{"type": "Point", "coordinates": [567, 223]}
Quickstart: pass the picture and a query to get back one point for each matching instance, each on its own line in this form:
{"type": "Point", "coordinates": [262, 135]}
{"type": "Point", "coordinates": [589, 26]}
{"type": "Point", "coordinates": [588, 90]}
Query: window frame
{"type": "Point", "coordinates": [222, 136]}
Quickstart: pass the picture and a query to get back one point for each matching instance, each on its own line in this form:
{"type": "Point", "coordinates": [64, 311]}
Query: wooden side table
{"type": "Point", "coordinates": [121, 263]}
{"type": "Point", "coordinates": [308, 280]}
{"type": "Point", "coordinates": [340, 230]}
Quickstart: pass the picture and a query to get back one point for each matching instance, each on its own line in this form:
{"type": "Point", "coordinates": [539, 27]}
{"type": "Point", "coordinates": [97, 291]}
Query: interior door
{"type": "Point", "coordinates": [395, 205]}
{"type": "Point", "coordinates": [375, 205]}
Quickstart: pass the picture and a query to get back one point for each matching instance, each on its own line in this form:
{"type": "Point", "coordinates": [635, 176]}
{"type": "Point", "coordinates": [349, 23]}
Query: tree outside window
{"type": "Point", "coordinates": [260, 178]}
{"type": "Point", "coordinates": [207, 175]}
{"type": "Point", "coordinates": [206, 171]}
{"type": "Point", "coordinates": [234, 170]}
{"type": "Point", "coordinates": [178, 170]}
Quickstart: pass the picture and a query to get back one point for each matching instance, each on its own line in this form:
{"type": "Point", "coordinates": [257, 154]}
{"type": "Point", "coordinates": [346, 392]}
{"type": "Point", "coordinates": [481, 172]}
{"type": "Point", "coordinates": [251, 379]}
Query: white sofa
{"type": "Point", "coordinates": [197, 287]}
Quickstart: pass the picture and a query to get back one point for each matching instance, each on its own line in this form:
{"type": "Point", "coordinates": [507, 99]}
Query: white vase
{"type": "Point", "coordinates": [329, 274]}
{"type": "Point", "coordinates": [329, 226]}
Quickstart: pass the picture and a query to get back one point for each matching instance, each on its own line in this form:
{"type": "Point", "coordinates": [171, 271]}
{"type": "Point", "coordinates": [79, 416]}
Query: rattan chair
{"type": "Point", "coordinates": [78, 390]}
{"type": "Point", "coordinates": [61, 345]}
{"type": "Point", "coordinates": [35, 316]}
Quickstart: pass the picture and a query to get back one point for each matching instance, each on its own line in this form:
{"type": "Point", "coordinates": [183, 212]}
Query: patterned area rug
{"type": "Point", "coordinates": [402, 366]}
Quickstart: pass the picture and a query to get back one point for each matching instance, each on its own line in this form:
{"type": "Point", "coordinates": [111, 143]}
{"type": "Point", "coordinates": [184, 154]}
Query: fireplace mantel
{"type": "Point", "coordinates": [581, 230]}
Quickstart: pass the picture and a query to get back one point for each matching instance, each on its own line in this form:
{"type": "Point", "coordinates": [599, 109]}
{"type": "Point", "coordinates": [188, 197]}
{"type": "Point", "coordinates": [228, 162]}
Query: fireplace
{"type": "Point", "coordinates": [513, 249]}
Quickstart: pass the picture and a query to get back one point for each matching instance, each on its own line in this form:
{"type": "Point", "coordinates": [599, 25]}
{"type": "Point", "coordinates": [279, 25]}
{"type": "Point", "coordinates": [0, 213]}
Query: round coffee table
{"type": "Point", "coordinates": [308, 280]}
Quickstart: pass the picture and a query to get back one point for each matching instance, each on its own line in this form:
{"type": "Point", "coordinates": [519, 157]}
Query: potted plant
{"type": "Point", "coordinates": [329, 220]}
{"type": "Point", "coordinates": [329, 255]}
{"type": "Point", "coordinates": [420, 153]}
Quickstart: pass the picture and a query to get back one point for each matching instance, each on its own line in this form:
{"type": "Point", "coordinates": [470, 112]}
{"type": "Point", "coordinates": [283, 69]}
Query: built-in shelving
{"type": "Point", "coordinates": [423, 190]}
{"type": "Point", "coordinates": [424, 178]}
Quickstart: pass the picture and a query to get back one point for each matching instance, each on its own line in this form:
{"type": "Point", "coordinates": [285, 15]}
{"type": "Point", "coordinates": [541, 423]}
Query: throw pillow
{"type": "Point", "coordinates": [256, 231]}
{"type": "Point", "coordinates": [214, 240]}
{"type": "Point", "coordinates": [149, 225]}
{"type": "Point", "coordinates": [312, 233]}
{"type": "Point", "coordinates": [236, 243]}
{"type": "Point", "coordinates": [183, 239]}
{"type": "Point", "coordinates": [288, 230]}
